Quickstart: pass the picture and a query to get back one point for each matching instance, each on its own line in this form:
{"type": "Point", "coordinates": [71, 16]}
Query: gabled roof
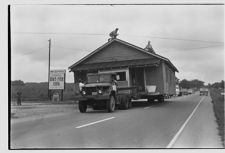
{"type": "Point", "coordinates": [127, 44]}
{"type": "Point", "coordinates": [117, 64]}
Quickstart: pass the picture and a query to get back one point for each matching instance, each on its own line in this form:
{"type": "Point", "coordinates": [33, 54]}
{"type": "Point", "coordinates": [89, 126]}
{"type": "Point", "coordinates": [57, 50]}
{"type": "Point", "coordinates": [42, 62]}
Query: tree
{"type": "Point", "coordinates": [218, 84]}
{"type": "Point", "coordinates": [191, 84]}
{"type": "Point", "coordinates": [184, 84]}
{"type": "Point", "coordinates": [196, 83]}
{"type": "Point", "coordinates": [17, 83]}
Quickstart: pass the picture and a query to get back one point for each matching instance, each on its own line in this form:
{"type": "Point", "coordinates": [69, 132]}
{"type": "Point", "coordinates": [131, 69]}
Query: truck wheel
{"type": "Point", "coordinates": [127, 102]}
{"type": "Point", "coordinates": [111, 103]}
{"type": "Point", "coordinates": [150, 100]}
{"type": "Point", "coordinates": [95, 107]}
{"type": "Point", "coordinates": [130, 103]}
{"type": "Point", "coordinates": [124, 104]}
{"type": "Point", "coordinates": [161, 99]}
{"type": "Point", "coordinates": [82, 106]}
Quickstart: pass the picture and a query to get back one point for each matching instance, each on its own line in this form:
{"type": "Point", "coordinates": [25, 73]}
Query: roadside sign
{"type": "Point", "coordinates": [57, 79]}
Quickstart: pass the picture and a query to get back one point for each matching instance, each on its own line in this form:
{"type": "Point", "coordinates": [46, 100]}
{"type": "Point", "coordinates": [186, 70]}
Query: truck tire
{"type": "Point", "coordinates": [130, 103]}
{"type": "Point", "coordinates": [150, 100]}
{"type": "Point", "coordinates": [124, 104]}
{"type": "Point", "coordinates": [82, 106]}
{"type": "Point", "coordinates": [161, 99]}
{"type": "Point", "coordinates": [111, 104]}
{"type": "Point", "coordinates": [95, 107]}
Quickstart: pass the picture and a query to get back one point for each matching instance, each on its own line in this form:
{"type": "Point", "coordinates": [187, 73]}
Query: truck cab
{"type": "Point", "coordinates": [100, 91]}
{"type": "Point", "coordinates": [98, 86]}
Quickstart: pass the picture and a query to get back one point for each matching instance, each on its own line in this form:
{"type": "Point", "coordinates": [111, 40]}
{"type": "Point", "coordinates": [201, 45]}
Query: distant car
{"type": "Point", "coordinates": [204, 91]}
{"type": "Point", "coordinates": [190, 91]}
{"type": "Point", "coordinates": [184, 92]}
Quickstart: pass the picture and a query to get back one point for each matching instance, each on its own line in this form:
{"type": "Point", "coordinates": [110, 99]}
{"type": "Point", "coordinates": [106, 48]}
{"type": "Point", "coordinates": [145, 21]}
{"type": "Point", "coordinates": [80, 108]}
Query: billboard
{"type": "Point", "coordinates": [57, 79]}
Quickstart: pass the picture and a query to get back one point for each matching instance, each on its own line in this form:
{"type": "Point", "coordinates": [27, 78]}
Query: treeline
{"type": "Point", "coordinates": [198, 84]}
{"type": "Point", "coordinates": [217, 85]}
{"type": "Point", "coordinates": [38, 91]}
{"type": "Point", "coordinates": [191, 84]}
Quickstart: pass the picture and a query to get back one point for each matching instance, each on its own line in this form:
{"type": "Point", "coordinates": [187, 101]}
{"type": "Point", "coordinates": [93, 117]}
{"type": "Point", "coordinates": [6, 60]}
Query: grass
{"type": "Point", "coordinates": [37, 110]}
{"type": "Point", "coordinates": [218, 106]}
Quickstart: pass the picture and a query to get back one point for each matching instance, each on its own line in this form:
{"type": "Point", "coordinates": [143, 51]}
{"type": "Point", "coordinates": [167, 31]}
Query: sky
{"type": "Point", "coordinates": [191, 36]}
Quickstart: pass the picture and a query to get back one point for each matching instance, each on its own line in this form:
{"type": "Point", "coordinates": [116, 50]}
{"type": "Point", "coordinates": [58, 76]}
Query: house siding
{"type": "Point", "coordinates": [169, 81]}
{"type": "Point", "coordinates": [162, 76]}
{"type": "Point", "coordinates": [116, 52]}
{"type": "Point", "coordinates": [154, 76]}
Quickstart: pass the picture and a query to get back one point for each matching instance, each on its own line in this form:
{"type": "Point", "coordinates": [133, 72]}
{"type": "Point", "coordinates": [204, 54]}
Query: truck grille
{"type": "Point", "coordinates": [89, 90]}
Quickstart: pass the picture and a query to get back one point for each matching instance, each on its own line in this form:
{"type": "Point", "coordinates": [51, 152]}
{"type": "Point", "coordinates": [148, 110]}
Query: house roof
{"type": "Point", "coordinates": [127, 44]}
{"type": "Point", "coordinates": [116, 64]}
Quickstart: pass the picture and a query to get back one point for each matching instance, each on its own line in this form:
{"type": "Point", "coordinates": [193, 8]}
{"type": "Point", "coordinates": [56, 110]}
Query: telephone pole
{"type": "Point", "coordinates": [49, 55]}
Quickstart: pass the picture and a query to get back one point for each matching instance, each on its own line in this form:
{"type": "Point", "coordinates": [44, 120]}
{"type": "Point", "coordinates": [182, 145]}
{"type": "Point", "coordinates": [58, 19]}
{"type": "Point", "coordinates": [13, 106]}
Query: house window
{"type": "Point", "coordinates": [122, 76]}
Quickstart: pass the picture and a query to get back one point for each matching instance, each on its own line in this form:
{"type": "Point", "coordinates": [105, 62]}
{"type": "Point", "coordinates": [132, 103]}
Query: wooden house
{"type": "Point", "coordinates": [136, 66]}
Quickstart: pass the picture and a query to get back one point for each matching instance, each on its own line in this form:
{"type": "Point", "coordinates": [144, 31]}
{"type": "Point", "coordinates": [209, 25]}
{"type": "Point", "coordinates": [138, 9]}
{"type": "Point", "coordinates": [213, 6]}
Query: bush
{"type": "Point", "coordinates": [218, 106]}
{"type": "Point", "coordinates": [39, 91]}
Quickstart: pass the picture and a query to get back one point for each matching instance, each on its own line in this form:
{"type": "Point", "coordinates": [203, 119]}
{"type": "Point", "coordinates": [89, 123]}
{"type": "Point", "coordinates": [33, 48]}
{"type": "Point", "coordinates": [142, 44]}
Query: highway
{"type": "Point", "coordinates": [145, 125]}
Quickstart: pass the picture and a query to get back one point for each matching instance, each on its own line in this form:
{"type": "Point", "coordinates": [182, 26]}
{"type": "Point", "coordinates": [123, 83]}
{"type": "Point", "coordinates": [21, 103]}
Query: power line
{"type": "Point", "coordinates": [60, 33]}
{"type": "Point", "coordinates": [76, 49]}
{"type": "Point", "coordinates": [101, 34]}
{"type": "Point", "coordinates": [180, 39]}
{"type": "Point", "coordinates": [125, 4]}
{"type": "Point", "coordinates": [32, 51]}
{"type": "Point", "coordinates": [203, 47]}
{"type": "Point", "coordinates": [56, 46]}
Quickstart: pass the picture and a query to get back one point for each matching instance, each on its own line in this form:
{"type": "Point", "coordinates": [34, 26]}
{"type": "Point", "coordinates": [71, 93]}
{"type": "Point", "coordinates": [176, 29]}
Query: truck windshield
{"type": "Point", "coordinates": [99, 78]}
{"type": "Point", "coordinates": [105, 78]}
{"type": "Point", "coordinates": [92, 78]}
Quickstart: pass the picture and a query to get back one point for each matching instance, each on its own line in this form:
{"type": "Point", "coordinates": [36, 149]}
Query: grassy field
{"type": "Point", "coordinates": [218, 106]}
{"type": "Point", "coordinates": [39, 92]}
{"type": "Point", "coordinates": [41, 109]}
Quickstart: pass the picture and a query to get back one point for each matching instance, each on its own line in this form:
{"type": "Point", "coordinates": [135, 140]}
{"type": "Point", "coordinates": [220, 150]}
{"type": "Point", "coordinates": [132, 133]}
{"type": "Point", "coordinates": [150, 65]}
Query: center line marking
{"type": "Point", "coordinates": [172, 142]}
{"type": "Point", "coordinates": [95, 122]}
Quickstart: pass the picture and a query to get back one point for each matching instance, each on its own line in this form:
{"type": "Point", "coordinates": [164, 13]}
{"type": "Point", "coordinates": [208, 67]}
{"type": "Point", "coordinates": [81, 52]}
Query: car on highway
{"type": "Point", "coordinates": [204, 91]}
{"type": "Point", "coordinates": [190, 91]}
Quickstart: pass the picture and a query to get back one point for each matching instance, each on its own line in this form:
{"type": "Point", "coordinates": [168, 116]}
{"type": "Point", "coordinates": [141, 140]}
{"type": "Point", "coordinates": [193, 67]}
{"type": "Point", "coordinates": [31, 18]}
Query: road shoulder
{"type": "Point", "coordinates": [202, 130]}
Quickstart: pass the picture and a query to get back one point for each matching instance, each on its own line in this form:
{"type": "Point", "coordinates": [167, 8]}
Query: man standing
{"type": "Point", "coordinates": [81, 85]}
{"type": "Point", "coordinates": [19, 95]}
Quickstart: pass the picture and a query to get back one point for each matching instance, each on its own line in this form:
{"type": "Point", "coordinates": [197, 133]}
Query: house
{"type": "Point", "coordinates": [136, 66]}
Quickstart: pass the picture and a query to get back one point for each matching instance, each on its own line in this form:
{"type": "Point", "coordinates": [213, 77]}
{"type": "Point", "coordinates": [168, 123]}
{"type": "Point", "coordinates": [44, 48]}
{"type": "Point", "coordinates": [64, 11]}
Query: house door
{"type": "Point", "coordinates": [137, 78]}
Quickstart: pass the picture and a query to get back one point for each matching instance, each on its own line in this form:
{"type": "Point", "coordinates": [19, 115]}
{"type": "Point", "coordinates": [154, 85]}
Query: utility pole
{"type": "Point", "coordinates": [49, 55]}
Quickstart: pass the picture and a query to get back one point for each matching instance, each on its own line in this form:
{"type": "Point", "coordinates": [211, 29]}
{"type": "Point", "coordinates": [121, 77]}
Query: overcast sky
{"type": "Point", "coordinates": [191, 36]}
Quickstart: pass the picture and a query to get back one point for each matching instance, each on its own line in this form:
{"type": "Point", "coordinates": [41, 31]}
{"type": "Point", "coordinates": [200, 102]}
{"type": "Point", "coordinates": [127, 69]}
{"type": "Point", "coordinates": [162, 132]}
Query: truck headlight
{"type": "Point", "coordinates": [100, 91]}
{"type": "Point", "coordinates": [84, 92]}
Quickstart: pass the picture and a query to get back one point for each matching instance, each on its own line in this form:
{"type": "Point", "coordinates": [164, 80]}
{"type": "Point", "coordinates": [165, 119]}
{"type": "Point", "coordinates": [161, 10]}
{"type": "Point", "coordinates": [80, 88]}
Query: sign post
{"type": "Point", "coordinates": [57, 79]}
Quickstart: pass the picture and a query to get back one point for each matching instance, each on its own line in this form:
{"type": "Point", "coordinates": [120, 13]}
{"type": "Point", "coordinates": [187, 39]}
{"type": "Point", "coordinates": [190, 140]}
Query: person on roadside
{"type": "Point", "coordinates": [19, 95]}
{"type": "Point", "coordinates": [114, 83]}
{"type": "Point", "coordinates": [81, 85]}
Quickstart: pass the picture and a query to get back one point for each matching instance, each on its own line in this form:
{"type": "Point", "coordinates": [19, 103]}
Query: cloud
{"type": "Point", "coordinates": [78, 30]}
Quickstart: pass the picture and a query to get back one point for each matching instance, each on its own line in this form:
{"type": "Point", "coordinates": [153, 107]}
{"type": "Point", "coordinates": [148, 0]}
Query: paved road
{"type": "Point", "coordinates": [143, 126]}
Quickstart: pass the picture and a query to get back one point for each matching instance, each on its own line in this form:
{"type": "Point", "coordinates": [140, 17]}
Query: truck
{"type": "Point", "coordinates": [101, 91]}
{"type": "Point", "coordinates": [118, 72]}
{"type": "Point", "coordinates": [104, 91]}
